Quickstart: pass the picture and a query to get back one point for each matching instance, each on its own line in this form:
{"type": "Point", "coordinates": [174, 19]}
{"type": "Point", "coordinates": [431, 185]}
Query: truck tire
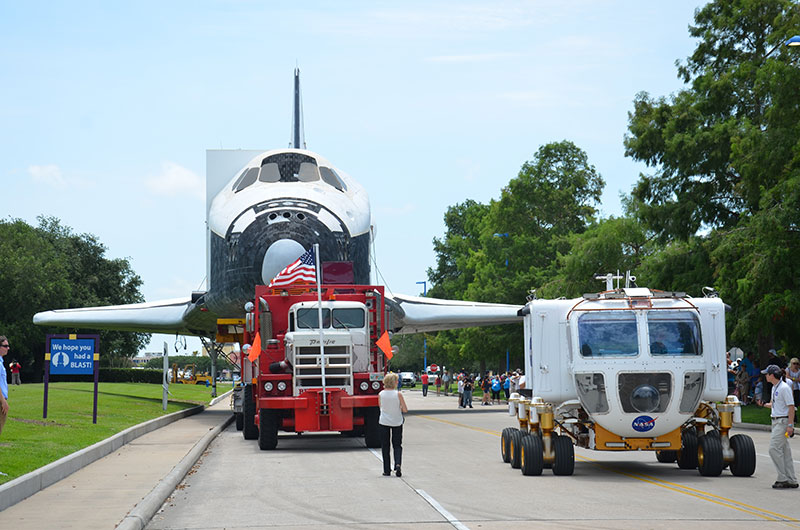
{"type": "Point", "coordinates": [515, 446]}
{"type": "Point", "coordinates": [667, 457]}
{"type": "Point", "coordinates": [505, 444]}
{"type": "Point", "coordinates": [709, 456]}
{"type": "Point", "coordinates": [687, 456]}
{"type": "Point", "coordinates": [267, 429]}
{"type": "Point", "coordinates": [531, 456]}
{"type": "Point", "coordinates": [372, 434]}
{"type": "Point", "coordinates": [564, 462]}
{"type": "Point", "coordinates": [239, 420]}
{"type": "Point", "coordinates": [744, 456]}
{"type": "Point", "coordinates": [249, 428]}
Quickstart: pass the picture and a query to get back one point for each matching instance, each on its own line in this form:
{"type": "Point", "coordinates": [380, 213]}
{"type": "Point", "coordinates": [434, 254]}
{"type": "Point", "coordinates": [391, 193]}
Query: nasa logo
{"type": "Point", "coordinates": [643, 423]}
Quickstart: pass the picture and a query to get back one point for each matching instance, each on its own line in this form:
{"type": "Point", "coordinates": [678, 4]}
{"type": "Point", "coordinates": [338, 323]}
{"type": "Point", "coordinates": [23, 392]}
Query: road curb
{"type": "Point", "coordinates": [143, 512]}
{"type": "Point", "coordinates": [23, 487]}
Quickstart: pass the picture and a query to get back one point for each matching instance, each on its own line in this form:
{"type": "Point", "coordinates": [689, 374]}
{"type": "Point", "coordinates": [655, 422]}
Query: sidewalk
{"type": "Point", "coordinates": [101, 494]}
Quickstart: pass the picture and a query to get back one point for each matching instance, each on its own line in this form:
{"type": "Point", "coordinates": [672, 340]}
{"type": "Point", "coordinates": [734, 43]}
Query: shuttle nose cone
{"type": "Point", "coordinates": [279, 254]}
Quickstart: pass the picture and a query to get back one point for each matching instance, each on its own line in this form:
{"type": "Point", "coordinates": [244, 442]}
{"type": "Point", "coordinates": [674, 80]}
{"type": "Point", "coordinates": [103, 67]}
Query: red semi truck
{"type": "Point", "coordinates": [307, 377]}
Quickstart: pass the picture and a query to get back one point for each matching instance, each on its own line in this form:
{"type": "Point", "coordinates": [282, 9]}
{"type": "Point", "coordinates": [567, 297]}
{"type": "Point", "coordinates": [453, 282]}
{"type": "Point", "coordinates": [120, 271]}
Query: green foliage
{"type": "Point", "coordinates": [202, 362]}
{"type": "Point", "coordinates": [50, 267]}
{"type": "Point", "coordinates": [725, 154]}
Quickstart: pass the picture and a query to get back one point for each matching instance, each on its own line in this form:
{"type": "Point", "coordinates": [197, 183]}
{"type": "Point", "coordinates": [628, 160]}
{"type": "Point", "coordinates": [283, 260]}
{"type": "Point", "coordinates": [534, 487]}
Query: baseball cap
{"type": "Point", "coordinates": [772, 369]}
{"type": "Point", "coordinates": [772, 351]}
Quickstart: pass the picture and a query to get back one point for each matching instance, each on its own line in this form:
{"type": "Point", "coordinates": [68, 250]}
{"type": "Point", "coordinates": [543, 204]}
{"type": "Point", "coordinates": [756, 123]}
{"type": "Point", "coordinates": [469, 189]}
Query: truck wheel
{"type": "Point", "coordinates": [531, 456]}
{"type": "Point", "coordinates": [744, 456]}
{"type": "Point", "coordinates": [239, 420]}
{"type": "Point", "coordinates": [564, 462]}
{"type": "Point", "coordinates": [372, 435]}
{"type": "Point", "coordinates": [515, 444]}
{"type": "Point", "coordinates": [505, 445]}
{"type": "Point", "coordinates": [249, 428]}
{"type": "Point", "coordinates": [687, 456]}
{"type": "Point", "coordinates": [709, 456]}
{"type": "Point", "coordinates": [267, 429]}
{"type": "Point", "coordinates": [666, 457]}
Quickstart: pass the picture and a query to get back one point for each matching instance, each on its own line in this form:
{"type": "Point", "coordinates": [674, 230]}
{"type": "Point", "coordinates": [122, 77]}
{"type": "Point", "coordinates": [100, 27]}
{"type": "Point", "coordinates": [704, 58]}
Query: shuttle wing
{"type": "Point", "coordinates": [414, 314]}
{"type": "Point", "coordinates": [177, 315]}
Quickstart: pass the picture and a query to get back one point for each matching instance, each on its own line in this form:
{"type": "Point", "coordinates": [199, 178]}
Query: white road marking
{"type": "Point", "coordinates": [439, 508]}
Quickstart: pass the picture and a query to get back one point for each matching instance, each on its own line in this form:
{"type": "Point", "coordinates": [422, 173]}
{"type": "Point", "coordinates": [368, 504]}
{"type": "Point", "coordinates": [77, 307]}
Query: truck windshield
{"type": "Point", "coordinates": [309, 318]}
{"type": "Point", "coordinates": [608, 334]}
{"type": "Point", "coordinates": [674, 333]}
{"type": "Point", "coordinates": [343, 318]}
{"type": "Point", "coordinates": [348, 318]}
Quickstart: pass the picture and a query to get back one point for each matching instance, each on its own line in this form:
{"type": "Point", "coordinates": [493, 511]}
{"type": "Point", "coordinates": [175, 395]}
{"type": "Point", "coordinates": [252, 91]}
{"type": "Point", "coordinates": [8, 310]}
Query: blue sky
{"type": "Point", "coordinates": [107, 108]}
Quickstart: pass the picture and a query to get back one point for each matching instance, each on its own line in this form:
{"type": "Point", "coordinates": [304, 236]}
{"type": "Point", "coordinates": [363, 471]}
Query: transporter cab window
{"type": "Point", "coordinates": [608, 334]}
{"type": "Point", "coordinates": [674, 333]}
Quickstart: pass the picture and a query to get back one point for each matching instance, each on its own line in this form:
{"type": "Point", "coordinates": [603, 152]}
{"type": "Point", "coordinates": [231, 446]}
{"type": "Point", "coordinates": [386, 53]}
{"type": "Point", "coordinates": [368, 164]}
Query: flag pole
{"type": "Point", "coordinates": [319, 319]}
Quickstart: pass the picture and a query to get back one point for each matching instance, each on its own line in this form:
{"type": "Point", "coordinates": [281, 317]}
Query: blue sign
{"type": "Point", "coordinates": [74, 356]}
{"type": "Point", "coordinates": [643, 423]}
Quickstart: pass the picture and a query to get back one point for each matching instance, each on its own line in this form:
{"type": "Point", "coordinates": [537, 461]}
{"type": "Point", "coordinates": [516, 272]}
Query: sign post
{"type": "Point", "coordinates": [72, 354]}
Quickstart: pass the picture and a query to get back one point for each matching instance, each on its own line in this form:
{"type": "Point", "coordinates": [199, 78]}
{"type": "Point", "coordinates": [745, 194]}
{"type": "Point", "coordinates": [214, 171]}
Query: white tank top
{"type": "Point", "coordinates": [391, 415]}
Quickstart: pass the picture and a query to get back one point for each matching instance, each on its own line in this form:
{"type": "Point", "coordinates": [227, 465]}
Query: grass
{"type": "Point", "coordinates": [29, 442]}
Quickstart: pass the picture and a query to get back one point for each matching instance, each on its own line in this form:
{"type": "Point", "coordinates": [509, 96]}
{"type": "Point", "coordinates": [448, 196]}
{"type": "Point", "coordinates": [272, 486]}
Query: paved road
{"type": "Point", "coordinates": [453, 477]}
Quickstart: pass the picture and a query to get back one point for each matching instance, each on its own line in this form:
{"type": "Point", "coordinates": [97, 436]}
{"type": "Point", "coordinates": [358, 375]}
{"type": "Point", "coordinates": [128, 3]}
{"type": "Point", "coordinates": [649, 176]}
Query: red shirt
{"type": "Point", "coordinates": [14, 368]}
{"type": "Point", "coordinates": [424, 379]}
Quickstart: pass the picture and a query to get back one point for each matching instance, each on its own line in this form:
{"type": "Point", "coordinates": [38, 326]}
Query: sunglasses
{"type": "Point", "coordinates": [4, 346]}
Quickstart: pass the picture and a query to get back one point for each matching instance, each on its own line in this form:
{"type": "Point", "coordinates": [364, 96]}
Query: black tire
{"type": "Point", "coordinates": [249, 427]}
{"type": "Point", "coordinates": [687, 456]}
{"type": "Point", "coordinates": [514, 447]}
{"type": "Point", "coordinates": [531, 456]}
{"type": "Point", "coordinates": [667, 457]}
{"type": "Point", "coordinates": [709, 456]}
{"type": "Point", "coordinates": [268, 429]}
{"type": "Point", "coordinates": [505, 445]}
{"type": "Point", "coordinates": [372, 434]}
{"type": "Point", "coordinates": [239, 420]}
{"type": "Point", "coordinates": [744, 456]}
{"type": "Point", "coordinates": [564, 462]}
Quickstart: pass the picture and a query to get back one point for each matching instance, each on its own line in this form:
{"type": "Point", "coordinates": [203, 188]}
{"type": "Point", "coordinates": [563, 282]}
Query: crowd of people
{"type": "Point", "coordinates": [496, 387]}
{"type": "Point", "coordinates": [747, 382]}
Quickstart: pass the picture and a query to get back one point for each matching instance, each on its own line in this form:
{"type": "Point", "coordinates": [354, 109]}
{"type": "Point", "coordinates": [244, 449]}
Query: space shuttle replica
{"type": "Point", "coordinates": [264, 209]}
{"type": "Point", "coordinates": [626, 369]}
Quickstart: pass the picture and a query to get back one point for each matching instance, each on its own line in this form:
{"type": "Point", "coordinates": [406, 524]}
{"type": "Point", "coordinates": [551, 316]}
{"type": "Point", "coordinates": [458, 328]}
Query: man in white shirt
{"type": "Point", "coordinates": [782, 406]}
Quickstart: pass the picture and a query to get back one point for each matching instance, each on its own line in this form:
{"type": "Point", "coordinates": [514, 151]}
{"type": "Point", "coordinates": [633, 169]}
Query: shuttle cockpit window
{"type": "Point", "coordinates": [247, 178]}
{"type": "Point", "coordinates": [674, 333]}
{"type": "Point", "coordinates": [289, 167]}
{"type": "Point", "coordinates": [329, 176]}
{"type": "Point", "coordinates": [608, 334]}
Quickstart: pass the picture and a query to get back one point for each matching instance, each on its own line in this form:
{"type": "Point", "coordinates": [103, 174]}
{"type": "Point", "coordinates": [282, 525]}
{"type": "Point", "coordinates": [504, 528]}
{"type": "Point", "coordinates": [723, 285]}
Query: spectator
{"type": "Point", "coordinates": [793, 378]}
{"type": "Point", "coordinates": [3, 383]}
{"type": "Point", "coordinates": [446, 382]}
{"type": "Point", "coordinates": [782, 414]}
{"type": "Point", "coordinates": [390, 423]}
{"type": "Point", "coordinates": [496, 387]}
{"type": "Point", "coordinates": [461, 401]}
{"type": "Point", "coordinates": [438, 384]}
{"type": "Point", "coordinates": [424, 384]}
{"type": "Point", "coordinates": [15, 366]}
{"type": "Point", "coordinates": [468, 386]}
{"type": "Point", "coordinates": [486, 386]}
{"type": "Point", "coordinates": [507, 385]}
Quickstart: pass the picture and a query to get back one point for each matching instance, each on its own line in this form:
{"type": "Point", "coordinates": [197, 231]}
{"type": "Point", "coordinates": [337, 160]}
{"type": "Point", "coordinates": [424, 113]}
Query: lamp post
{"type": "Point", "coordinates": [424, 338]}
{"type": "Point", "coordinates": [794, 41]}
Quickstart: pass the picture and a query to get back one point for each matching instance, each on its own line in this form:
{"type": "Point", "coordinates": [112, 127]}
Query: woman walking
{"type": "Point", "coordinates": [393, 406]}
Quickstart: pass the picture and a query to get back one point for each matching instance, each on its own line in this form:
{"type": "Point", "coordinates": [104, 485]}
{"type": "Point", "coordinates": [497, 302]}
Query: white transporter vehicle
{"type": "Point", "coordinates": [624, 370]}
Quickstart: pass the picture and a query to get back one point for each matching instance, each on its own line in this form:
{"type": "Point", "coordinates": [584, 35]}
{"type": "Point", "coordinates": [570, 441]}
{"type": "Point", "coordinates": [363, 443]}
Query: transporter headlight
{"type": "Point", "coordinates": [282, 386]}
{"type": "Point", "coordinates": [364, 386]}
{"type": "Point", "coordinates": [645, 398]}
{"type": "Point", "coordinates": [376, 385]}
{"type": "Point", "coordinates": [268, 386]}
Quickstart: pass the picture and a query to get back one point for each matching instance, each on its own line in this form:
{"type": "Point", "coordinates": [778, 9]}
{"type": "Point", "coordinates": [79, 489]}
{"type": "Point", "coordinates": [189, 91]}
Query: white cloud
{"type": "Point", "coordinates": [49, 175]}
{"type": "Point", "coordinates": [175, 180]}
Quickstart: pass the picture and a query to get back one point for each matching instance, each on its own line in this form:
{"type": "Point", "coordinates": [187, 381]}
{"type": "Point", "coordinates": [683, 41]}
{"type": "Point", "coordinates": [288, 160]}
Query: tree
{"type": "Point", "coordinates": [724, 154]}
{"type": "Point", "coordinates": [49, 267]}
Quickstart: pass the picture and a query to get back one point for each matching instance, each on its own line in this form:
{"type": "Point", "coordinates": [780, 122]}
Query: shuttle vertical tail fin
{"type": "Point", "coordinates": [298, 135]}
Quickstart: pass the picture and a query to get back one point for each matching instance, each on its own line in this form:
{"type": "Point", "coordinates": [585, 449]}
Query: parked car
{"type": "Point", "coordinates": [407, 379]}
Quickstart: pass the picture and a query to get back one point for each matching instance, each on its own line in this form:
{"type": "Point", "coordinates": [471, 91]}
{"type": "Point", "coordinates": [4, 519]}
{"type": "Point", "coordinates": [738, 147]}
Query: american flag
{"type": "Point", "coordinates": [301, 271]}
